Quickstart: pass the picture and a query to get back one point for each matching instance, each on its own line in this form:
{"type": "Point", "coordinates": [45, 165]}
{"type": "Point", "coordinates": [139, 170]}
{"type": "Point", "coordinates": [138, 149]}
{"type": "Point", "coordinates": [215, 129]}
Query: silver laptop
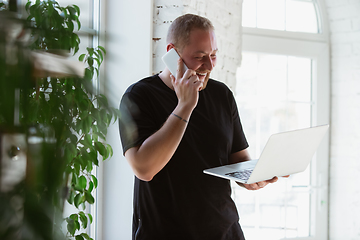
{"type": "Point", "coordinates": [284, 154]}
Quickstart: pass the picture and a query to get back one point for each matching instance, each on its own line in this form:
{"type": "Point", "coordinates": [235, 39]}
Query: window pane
{"type": "Point", "coordinates": [249, 16]}
{"type": "Point", "coordinates": [299, 76]}
{"type": "Point", "coordinates": [284, 15]}
{"type": "Point", "coordinates": [301, 16]}
{"type": "Point", "coordinates": [273, 94]}
{"type": "Point", "coordinates": [271, 14]}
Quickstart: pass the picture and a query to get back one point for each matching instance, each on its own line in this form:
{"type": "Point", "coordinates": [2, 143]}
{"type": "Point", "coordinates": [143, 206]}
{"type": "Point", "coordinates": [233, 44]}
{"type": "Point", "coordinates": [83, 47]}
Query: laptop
{"type": "Point", "coordinates": [284, 154]}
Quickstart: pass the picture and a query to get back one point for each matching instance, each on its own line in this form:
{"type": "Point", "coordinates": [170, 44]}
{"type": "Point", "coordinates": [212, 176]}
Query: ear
{"type": "Point", "coordinates": [169, 46]}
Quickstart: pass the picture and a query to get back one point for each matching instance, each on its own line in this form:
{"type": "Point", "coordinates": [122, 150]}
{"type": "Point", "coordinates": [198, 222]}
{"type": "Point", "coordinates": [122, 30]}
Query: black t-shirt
{"type": "Point", "coordinates": [181, 202]}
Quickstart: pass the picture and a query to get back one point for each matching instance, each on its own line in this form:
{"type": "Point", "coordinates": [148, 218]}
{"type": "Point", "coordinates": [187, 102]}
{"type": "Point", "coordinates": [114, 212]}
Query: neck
{"type": "Point", "coordinates": [165, 77]}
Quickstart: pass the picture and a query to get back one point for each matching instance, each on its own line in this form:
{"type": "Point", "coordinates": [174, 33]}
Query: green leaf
{"type": "Point", "coordinates": [98, 61]}
{"type": "Point", "coordinates": [90, 51]}
{"type": "Point", "coordinates": [83, 219]}
{"type": "Point", "coordinates": [79, 237]}
{"type": "Point", "coordinates": [78, 23]}
{"type": "Point", "coordinates": [91, 186]}
{"type": "Point", "coordinates": [27, 5]}
{"type": "Point", "coordinates": [74, 178]}
{"type": "Point", "coordinates": [71, 226]}
{"type": "Point", "coordinates": [74, 38]}
{"type": "Point", "coordinates": [74, 217]}
{"type": "Point", "coordinates": [90, 218]}
{"type": "Point", "coordinates": [110, 150]}
{"type": "Point", "coordinates": [82, 182]}
{"type": "Point", "coordinates": [71, 197]}
{"type": "Point", "coordinates": [86, 236]}
{"type": "Point", "coordinates": [77, 168]}
{"type": "Point", "coordinates": [70, 25]}
{"type": "Point", "coordinates": [89, 198]}
{"type": "Point", "coordinates": [94, 179]}
{"type": "Point", "coordinates": [50, 9]}
{"type": "Point", "coordinates": [100, 135]}
{"type": "Point", "coordinates": [88, 139]}
{"type": "Point", "coordinates": [100, 148]}
{"type": "Point", "coordinates": [103, 101]}
{"type": "Point", "coordinates": [82, 56]}
{"type": "Point", "coordinates": [72, 11]}
{"type": "Point", "coordinates": [88, 74]}
{"type": "Point", "coordinates": [77, 9]}
{"type": "Point", "coordinates": [77, 200]}
{"type": "Point", "coordinates": [77, 225]}
{"type": "Point", "coordinates": [102, 49]}
{"type": "Point", "coordinates": [100, 54]}
{"type": "Point", "coordinates": [90, 61]}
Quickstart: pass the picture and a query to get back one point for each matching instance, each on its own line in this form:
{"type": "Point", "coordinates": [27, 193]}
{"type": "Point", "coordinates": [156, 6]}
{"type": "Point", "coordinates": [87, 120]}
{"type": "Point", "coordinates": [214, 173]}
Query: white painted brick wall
{"type": "Point", "coordinates": [226, 17]}
{"type": "Point", "coordinates": [344, 220]}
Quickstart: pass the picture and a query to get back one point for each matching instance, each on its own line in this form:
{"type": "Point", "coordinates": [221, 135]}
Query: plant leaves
{"type": "Point", "coordinates": [83, 219]}
{"type": "Point", "coordinates": [71, 226]}
{"type": "Point", "coordinates": [72, 12]}
{"type": "Point", "coordinates": [90, 61]}
{"type": "Point", "coordinates": [78, 23]}
{"type": "Point", "coordinates": [102, 49]}
{"type": "Point", "coordinates": [94, 179]}
{"type": "Point", "coordinates": [110, 150]}
{"type": "Point", "coordinates": [82, 56]}
{"type": "Point", "coordinates": [86, 236]}
{"type": "Point", "coordinates": [101, 56]}
{"type": "Point", "coordinates": [27, 5]}
{"type": "Point", "coordinates": [82, 182]}
{"type": "Point", "coordinates": [90, 218]}
{"type": "Point", "coordinates": [77, 200]}
{"type": "Point", "coordinates": [100, 148]}
{"type": "Point", "coordinates": [71, 197]}
{"type": "Point", "coordinates": [79, 237]}
{"type": "Point", "coordinates": [91, 186]}
{"type": "Point", "coordinates": [74, 217]}
{"type": "Point", "coordinates": [90, 51]}
{"type": "Point", "coordinates": [89, 198]}
{"type": "Point", "coordinates": [70, 25]}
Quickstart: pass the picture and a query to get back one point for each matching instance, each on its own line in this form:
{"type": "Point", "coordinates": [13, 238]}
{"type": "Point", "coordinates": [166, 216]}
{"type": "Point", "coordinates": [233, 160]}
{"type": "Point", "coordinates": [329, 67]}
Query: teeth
{"type": "Point", "coordinates": [202, 74]}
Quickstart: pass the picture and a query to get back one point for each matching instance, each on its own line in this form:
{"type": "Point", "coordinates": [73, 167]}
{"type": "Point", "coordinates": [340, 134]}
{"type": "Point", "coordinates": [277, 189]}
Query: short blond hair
{"type": "Point", "coordinates": [180, 28]}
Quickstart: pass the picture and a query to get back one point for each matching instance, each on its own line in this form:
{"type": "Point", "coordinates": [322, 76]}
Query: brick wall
{"type": "Point", "coordinates": [226, 17]}
{"type": "Point", "coordinates": [344, 19]}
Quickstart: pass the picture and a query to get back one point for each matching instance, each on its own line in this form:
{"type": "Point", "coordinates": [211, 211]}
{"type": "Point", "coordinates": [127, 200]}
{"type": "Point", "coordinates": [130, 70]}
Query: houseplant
{"type": "Point", "coordinates": [72, 122]}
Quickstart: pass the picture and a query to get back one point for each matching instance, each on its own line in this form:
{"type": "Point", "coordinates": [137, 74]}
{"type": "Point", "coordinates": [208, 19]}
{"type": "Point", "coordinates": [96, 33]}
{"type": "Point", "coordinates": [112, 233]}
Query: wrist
{"type": "Point", "coordinates": [180, 118]}
{"type": "Point", "coordinates": [183, 110]}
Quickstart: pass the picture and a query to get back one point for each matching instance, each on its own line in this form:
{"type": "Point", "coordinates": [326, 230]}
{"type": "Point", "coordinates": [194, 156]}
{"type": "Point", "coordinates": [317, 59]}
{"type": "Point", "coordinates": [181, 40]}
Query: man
{"type": "Point", "coordinates": [184, 124]}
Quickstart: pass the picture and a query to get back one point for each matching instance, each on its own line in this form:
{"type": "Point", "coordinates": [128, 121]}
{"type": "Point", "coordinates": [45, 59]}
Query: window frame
{"type": "Point", "coordinates": [315, 46]}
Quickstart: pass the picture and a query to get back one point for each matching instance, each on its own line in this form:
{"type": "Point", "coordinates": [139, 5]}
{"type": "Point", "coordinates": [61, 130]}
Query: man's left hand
{"type": "Point", "coordinates": [258, 185]}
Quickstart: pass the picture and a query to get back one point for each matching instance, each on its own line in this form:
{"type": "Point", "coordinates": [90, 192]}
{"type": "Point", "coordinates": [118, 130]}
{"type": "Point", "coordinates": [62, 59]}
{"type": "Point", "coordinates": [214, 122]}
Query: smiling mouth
{"type": "Point", "coordinates": [201, 74]}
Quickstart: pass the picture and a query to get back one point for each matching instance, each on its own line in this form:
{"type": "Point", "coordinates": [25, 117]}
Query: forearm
{"type": "Point", "coordinates": [156, 151]}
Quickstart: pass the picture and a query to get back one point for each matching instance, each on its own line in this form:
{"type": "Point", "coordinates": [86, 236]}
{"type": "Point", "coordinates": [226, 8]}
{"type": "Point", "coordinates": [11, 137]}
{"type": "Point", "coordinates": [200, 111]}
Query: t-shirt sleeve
{"type": "Point", "coordinates": [135, 125]}
{"type": "Point", "coordinates": [239, 139]}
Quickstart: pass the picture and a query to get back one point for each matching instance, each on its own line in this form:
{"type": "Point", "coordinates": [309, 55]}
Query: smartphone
{"type": "Point", "coordinates": [171, 61]}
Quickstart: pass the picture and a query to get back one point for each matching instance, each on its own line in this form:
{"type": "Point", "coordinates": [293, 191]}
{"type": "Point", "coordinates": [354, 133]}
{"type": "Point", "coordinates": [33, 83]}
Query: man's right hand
{"type": "Point", "coordinates": [186, 86]}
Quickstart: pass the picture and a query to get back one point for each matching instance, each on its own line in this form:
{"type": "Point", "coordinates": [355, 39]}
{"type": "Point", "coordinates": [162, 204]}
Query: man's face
{"type": "Point", "coordinates": [200, 53]}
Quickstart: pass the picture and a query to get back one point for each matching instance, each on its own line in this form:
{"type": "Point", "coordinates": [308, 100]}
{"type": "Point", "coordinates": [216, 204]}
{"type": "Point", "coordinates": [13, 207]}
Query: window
{"type": "Point", "coordinates": [282, 85]}
{"type": "Point", "coordinates": [281, 15]}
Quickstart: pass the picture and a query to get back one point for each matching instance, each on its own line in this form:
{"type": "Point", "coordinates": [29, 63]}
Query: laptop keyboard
{"type": "Point", "coordinates": [243, 174]}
